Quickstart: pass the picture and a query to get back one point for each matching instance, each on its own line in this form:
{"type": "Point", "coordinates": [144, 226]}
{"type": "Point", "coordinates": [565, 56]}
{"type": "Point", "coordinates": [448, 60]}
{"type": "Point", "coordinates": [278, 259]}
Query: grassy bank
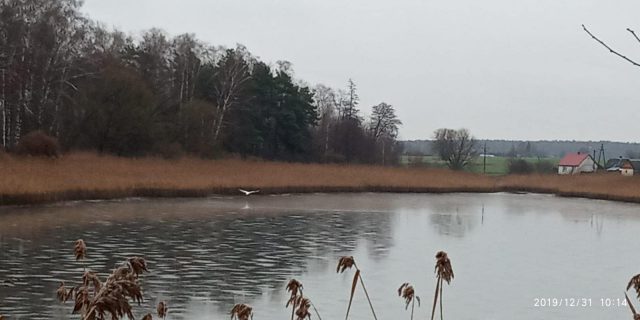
{"type": "Point", "coordinates": [88, 176]}
{"type": "Point", "coordinates": [494, 165]}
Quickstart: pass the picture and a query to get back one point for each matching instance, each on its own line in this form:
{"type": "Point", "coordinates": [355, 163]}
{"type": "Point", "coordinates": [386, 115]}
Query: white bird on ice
{"type": "Point", "coordinates": [248, 193]}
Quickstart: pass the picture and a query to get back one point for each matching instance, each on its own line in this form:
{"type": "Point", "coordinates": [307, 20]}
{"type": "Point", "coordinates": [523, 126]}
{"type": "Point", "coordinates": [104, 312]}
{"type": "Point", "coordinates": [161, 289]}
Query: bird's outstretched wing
{"type": "Point", "coordinates": [248, 192]}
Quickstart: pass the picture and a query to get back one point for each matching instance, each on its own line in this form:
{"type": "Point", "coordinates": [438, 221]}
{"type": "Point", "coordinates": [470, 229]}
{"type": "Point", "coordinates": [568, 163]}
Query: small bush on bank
{"type": "Point", "coordinates": [519, 166]}
{"type": "Point", "coordinates": [545, 167]}
{"type": "Point", "coordinates": [38, 144]}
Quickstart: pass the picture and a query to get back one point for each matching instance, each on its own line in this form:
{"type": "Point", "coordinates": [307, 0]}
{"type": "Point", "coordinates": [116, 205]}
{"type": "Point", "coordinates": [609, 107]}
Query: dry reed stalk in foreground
{"type": "Point", "coordinates": [634, 283]}
{"type": "Point", "coordinates": [407, 293]}
{"type": "Point", "coordinates": [80, 249]}
{"type": "Point", "coordinates": [347, 263]}
{"type": "Point", "coordinates": [303, 308]}
{"type": "Point", "coordinates": [162, 309]}
{"type": "Point", "coordinates": [95, 299]}
{"type": "Point", "coordinates": [241, 311]}
{"type": "Point", "coordinates": [295, 288]}
{"type": "Point", "coordinates": [297, 300]}
{"type": "Point", "coordinates": [444, 272]}
{"type": "Point", "coordinates": [63, 294]}
{"type": "Point", "coordinates": [636, 316]}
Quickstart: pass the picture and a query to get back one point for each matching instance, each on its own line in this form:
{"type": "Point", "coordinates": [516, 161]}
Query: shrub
{"type": "Point", "coordinates": [417, 162]}
{"type": "Point", "coordinates": [38, 144]}
{"type": "Point", "coordinates": [519, 166]}
{"type": "Point", "coordinates": [545, 167]}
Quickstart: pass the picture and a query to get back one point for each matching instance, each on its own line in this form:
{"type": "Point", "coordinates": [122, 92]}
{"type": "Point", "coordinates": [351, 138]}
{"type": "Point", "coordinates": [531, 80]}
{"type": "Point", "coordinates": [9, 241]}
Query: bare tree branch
{"type": "Point", "coordinates": [609, 48]}
{"type": "Point", "coordinates": [634, 34]}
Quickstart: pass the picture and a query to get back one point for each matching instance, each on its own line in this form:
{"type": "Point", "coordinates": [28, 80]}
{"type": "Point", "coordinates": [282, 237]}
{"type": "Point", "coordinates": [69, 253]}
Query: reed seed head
{"type": "Point", "coordinates": [294, 286]}
{"type": "Point", "coordinates": [162, 309]}
{"type": "Point", "coordinates": [80, 249]}
{"type": "Point", "coordinates": [92, 278]}
{"type": "Point", "coordinates": [345, 263]}
{"type": "Point", "coordinates": [407, 292]}
{"type": "Point", "coordinates": [443, 267]}
{"type": "Point", "coordinates": [138, 265]}
{"type": "Point", "coordinates": [82, 300]}
{"type": "Point", "coordinates": [635, 284]}
{"type": "Point", "coordinates": [242, 311]}
{"type": "Point", "coordinates": [303, 308]}
{"type": "Point", "coordinates": [61, 293]}
{"type": "Point", "coordinates": [111, 297]}
{"type": "Point", "coordinates": [147, 317]}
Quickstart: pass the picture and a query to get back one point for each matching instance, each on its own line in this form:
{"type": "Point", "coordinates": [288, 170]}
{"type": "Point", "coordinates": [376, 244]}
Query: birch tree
{"type": "Point", "coordinates": [224, 84]}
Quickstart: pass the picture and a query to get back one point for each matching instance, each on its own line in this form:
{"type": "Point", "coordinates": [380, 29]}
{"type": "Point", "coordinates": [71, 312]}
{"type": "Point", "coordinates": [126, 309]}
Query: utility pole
{"type": "Point", "coordinates": [484, 159]}
{"type": "Point", "coordinates": [601, 156]}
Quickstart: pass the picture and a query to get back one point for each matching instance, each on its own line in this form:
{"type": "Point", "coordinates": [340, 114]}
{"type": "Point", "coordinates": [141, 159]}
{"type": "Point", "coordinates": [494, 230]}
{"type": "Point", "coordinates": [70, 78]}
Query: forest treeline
{"type": "Point", "coordinates": [95, 88]}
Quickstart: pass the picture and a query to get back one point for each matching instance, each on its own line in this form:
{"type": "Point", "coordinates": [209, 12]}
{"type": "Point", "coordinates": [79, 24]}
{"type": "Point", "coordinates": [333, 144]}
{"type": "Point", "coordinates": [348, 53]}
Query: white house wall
{"type": "Point", "coordinates": [565, 170]}
{"type": "Point", "coordinates": [587, 165]}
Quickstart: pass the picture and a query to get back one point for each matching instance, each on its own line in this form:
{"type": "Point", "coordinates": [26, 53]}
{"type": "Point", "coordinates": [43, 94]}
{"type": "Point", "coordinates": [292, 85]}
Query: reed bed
{"type": "Point", "coordinates": [84, 176]}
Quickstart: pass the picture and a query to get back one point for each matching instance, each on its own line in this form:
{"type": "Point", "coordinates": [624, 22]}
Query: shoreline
{"type": "Point", "coordinates": [85, 176]}
{"type": "Point", "coordinates": [150, 194]}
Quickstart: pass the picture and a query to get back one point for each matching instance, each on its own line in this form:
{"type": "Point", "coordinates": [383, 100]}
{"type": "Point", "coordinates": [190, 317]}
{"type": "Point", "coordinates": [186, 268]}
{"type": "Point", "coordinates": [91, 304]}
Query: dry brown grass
{"type": "Point", "coordinates": [82, 176]}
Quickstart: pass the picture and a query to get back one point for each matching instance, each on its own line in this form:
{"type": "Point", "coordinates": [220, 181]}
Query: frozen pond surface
{"type": "Point", "coordinates": [207, 254]}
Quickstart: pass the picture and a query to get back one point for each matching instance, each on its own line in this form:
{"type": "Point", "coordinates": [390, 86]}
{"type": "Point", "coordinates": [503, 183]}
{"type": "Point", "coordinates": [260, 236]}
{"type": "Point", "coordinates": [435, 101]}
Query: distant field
{"type": "Point", "coordinates": [495, 165]}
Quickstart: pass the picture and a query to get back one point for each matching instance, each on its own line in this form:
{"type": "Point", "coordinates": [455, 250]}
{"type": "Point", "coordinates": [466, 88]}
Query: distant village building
{"type": "Point", "coordinates": [575, 163]}
{"type": "Point", "coordinates": [613, 165]}
{"type": "Point", "coordinates": [626, 167]}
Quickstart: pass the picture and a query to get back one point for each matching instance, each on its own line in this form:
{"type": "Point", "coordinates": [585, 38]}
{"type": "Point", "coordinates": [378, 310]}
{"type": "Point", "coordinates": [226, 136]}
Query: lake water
{"type": "Point", "coordinates": [207, 254]}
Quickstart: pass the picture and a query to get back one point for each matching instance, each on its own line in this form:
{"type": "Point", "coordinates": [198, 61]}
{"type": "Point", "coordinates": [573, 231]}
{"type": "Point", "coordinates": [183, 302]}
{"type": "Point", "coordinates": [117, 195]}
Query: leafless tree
{"type": "Point", "coordinates": [384, 122]}
{"type": "Point", "coordinates": [326, 101]}
{"type": "Point", "coordinates": [185, 65]}
{"type": "Point", "coordinates": [456, 147]}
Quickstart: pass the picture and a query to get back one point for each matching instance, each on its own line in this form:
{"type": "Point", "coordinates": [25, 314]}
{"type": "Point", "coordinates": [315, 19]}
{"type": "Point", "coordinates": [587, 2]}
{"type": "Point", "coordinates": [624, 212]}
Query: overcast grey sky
{"type": "Point", "coordinates": [508, 69]}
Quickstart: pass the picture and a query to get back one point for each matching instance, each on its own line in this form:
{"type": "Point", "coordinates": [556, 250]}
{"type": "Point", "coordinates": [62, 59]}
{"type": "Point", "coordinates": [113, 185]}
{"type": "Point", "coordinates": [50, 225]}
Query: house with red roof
{"type": "Point", "coordinates": [575, 163]}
